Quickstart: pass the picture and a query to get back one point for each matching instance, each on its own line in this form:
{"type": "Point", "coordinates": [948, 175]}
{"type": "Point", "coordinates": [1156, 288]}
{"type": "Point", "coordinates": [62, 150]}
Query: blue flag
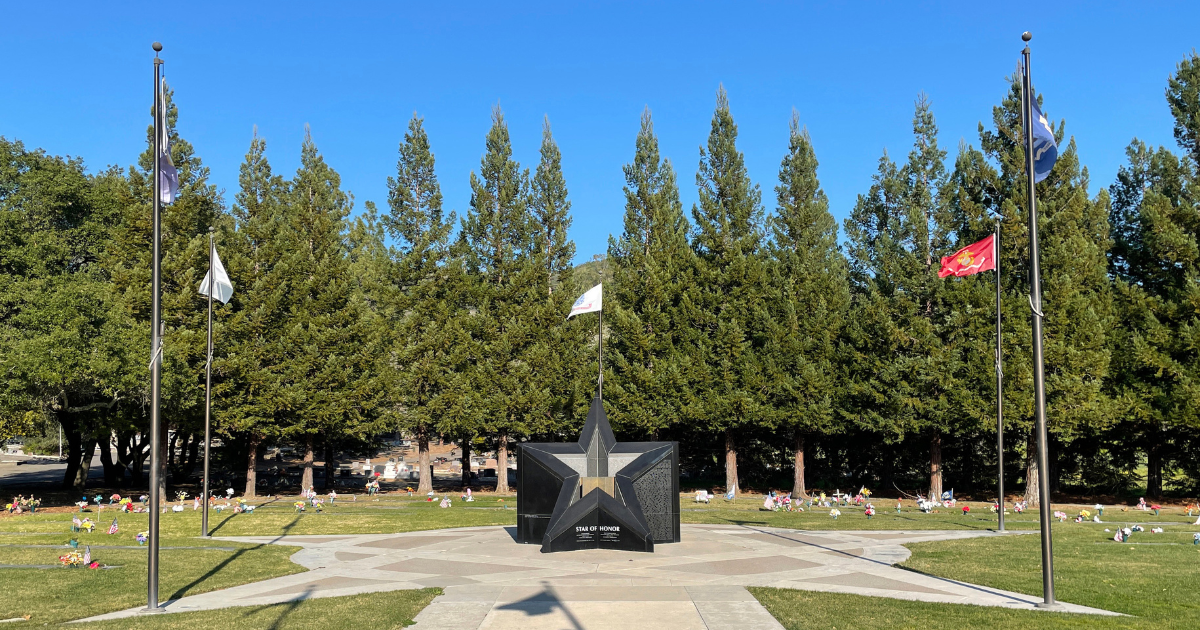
{"type": "Point", "coordinates": [168, 184]}
{"type": "Point", "coordinates": [1045, 149]}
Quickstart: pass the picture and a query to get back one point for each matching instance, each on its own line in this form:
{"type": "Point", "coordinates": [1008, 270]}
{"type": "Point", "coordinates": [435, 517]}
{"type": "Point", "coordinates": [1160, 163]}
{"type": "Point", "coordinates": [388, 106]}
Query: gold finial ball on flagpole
{"type": "Point", "coordinates": [156, 46]}
{"type": "Point", "coordinates": [1026, 36]}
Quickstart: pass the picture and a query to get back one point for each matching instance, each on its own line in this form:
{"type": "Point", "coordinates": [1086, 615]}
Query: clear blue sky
{"type": "Point", "coordinates": [77, 80]}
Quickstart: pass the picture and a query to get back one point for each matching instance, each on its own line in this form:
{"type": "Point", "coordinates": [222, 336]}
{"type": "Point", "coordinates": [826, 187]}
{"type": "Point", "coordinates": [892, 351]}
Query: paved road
{"type": "Point", "coordinates": [41, 471]}
{"type": "Point", "coordinates": [493, 583]}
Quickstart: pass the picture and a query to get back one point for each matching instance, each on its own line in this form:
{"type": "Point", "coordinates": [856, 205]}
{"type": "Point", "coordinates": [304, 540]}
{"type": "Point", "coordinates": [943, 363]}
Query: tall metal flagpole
{"type": "Point", "coordinates": [600, 359]}
{"type": "Point", "coordinates": [156, 352]}
{"type": "Point", "coordinates": [999, 382]}
{"type": "Point", "coordinates": [1039, 371]}
{"type": "Point", "coordinates": [208, 387]}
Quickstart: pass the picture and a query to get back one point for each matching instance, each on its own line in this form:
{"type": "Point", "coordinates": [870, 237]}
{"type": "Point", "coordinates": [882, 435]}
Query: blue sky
{"type": "Point", "coordinates": [77, 79]}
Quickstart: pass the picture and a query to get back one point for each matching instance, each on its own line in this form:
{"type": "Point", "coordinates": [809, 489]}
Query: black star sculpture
{"type": "Point", "coordinates": [598, 492]}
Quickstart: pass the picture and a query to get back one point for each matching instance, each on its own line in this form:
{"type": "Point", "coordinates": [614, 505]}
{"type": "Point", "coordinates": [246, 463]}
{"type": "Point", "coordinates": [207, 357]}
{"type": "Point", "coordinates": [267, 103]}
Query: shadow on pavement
{"type": "Point", "coordinates": [542, 603]}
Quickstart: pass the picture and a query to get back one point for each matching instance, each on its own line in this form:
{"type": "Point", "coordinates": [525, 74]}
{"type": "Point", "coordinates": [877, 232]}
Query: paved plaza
{"type": "Point", "coordinates": [491, 582]}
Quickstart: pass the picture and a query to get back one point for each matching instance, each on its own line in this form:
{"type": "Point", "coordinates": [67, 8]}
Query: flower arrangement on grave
{"type": "Point", "coordinates": [229, 492]}
{"type": "Point", "coordinates": [869, 511]}
{"type": "Point", "coordinates": [1156, 530]}
{"type": "Point", "coordinates": [835, 513]}
{"type": "Point", "coordinates": [81, 504]}
{"type": "Point", "coordinates": [21, 504]}
{"type": "Point", "coordinates": [1099, 509]}
{"type": "Point", "coordinates": [87, 525]}
{"type": "Point", "coordinates": [71, 559]}
{"type": "Point", "coordinates": [176, 508]}
{"type": "Point", "coordinates": [299, 505]}
{"type": "Point", "coordinates": [1137, 528]}
{"type": "Point", "coordinates": [1191, 507]}
{"type": "Point", "coordinates": [1019, 507]}
{"type": "Point", "coordinates": [181, 496]}
{"type": "Point", "coordinates": [126, 505]}
{"type": "Point", "coordinates": [1060, 515]}
{"type": "Point", "coordinates": [1156, 507]}
{"type": "Point", "coordinates": [114, 499]}
{"type": "Point", "coordinates": [142, 537]}
{"type": "Point", "coordinates": [1196, 538]}
{"type": "Point", "coordinates": [143, 499]}
{"type": "Point", "coordinates": [966, 509]}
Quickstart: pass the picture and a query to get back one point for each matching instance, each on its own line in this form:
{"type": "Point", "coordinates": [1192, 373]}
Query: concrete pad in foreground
{"type": "Point", "coordinates": [491, 582]}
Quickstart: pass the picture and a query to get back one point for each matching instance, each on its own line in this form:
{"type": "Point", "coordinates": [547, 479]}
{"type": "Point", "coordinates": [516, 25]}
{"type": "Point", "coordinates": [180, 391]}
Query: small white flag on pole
{"type": "Point", "coordinates": [222, 287]}
{"type": "Point", "coordinates": [589, 302]}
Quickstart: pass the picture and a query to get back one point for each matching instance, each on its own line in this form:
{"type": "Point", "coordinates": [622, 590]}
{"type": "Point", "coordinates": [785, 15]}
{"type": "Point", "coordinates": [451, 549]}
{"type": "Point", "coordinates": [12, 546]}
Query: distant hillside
{"type": "Point", "coordinates": [590, 273]}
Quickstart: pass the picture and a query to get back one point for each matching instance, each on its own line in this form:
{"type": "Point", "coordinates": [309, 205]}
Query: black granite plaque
{"type": "Point", "coordinates": [598, 493]}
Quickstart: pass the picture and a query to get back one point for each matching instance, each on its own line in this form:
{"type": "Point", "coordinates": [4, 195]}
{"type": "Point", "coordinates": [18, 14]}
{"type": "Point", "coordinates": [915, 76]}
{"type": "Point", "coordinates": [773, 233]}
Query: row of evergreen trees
{"type": "Point", "coordinates": [734, 329]}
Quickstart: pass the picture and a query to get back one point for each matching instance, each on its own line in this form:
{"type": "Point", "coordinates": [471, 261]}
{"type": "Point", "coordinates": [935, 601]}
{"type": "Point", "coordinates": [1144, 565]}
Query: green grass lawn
{"type": "Point", "coordinates": [55, 595]}
{"type": "Point", "coordinates": [748, 511]}
{"type": "Point", "coordinates": [1156, 583]}
{"type": "Point", "coordinates": [1153, 579]}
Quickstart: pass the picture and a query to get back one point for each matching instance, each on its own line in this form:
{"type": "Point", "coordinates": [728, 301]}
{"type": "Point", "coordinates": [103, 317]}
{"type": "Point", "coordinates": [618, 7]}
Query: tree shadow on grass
{"type": "Point", "coordinates": [288, 608]}
{"type": "Point", "coordinates": [227, 561]}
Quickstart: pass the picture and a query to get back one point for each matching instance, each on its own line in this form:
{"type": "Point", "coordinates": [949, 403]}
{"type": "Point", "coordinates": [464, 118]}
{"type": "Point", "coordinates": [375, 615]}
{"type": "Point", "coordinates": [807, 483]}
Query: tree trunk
{"type": "Point", "coordinates": [306, 481]}
{"type": "Point", "coordinates": [252, 465]}
{"type": "Point", "coordinates": [424, 470]}
{"type": "Point", "coordinates": [172, 446]}
{"type": "Point", "coordinates": [74, 448]}
{"type": "Point", "coordinates": [1154, 469]}
{"type": "Point", "coordinates": [1031, 471]}
{"type": "Point", "coordinates": [502, 463]}
{"type": "Point", "coordinates": [330, 466]}
{"type": "Point", "coordinates": [114, 471]}
{"type": "Point", "coordinates": [85, 464]}
{"type": "Point", "coordinates": [935, 466]}
{"type": "Point", "coordinates": [798, 489]}
{"type": "Point", "coordinates": [138, 456]}
{"type": "Point", "coordinates": [731, 476]}
{"type": "Point", "coordinates": [193, 456]}
{"type": "Point", "coordinates": [466, 461]}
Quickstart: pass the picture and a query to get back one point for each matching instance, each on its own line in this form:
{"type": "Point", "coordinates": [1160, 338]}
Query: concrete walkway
{"type": "Point", "coordinates": [493, 583]}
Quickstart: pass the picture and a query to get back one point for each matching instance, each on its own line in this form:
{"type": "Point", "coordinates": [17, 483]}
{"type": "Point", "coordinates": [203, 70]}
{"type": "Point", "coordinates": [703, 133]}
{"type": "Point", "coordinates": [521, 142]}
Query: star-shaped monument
{"type": "Point", "coordinates": [598, 492]}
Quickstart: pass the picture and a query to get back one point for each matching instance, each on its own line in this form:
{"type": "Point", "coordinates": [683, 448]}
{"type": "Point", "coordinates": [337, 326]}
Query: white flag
{"type": "Point", "coordinates": [588, 302]}
{"type": "Point", "coordinates": [222, 287]}
{"type": "Point", "coordinates": [168, 176]}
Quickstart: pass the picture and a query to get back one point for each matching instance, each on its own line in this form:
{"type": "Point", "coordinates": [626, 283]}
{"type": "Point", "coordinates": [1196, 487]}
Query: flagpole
{"type": "Point", "coordinates": [600, 358]}
{"type": "Point", "coordinates": [155, 349]}
{"type": "Point", "coordinates": [1039, 372]}
{"type": "Point", "coordinates": [208, 387]}
{"type": "Point", "coordinates": [999, 381]}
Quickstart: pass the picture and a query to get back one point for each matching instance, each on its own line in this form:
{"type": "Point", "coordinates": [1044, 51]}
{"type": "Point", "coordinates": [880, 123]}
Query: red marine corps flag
{"type": "Point", "coordinates": [971, 259]}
